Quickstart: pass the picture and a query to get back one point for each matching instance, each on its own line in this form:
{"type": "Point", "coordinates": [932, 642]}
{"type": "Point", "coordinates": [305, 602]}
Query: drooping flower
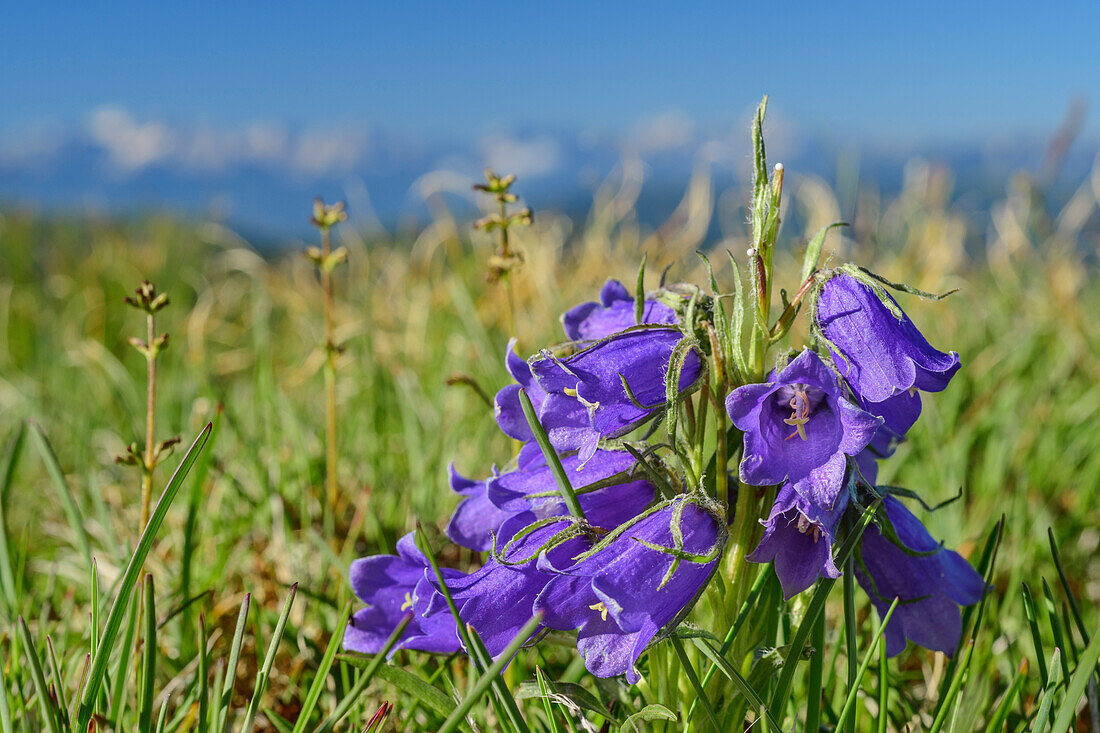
{"type": "Point", "coordinates": [798, 536]}
{"type": "Point", "coordinates": [475, 516]}
{"type": "Point", "coordinates": [881, 354]}
{"type": "Point", "coordinates": [931, 584]}
{"type": "Point", "coordinates": [497, 600]}
{"type": "Point", "coordinates": [613, 313]}
{"type": "Point", "coordinates": [898, 413]}
{"type": "Point", "coordinates": [536, 489]}
{"type": "Point", "coordinates": [799, 429]}
{"type": "Point", "coordinates": [392, 586]}
{"type": "Point", "coordinates": [597, 379]}
{"type": "Point", "coordinates": [564, 419]}
{"type": "Point", "coordinates": [621, 596]}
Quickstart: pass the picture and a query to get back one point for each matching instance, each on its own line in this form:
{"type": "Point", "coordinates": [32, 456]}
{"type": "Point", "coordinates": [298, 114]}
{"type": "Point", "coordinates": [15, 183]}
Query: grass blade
{"type": "Point", "coordinates": [265, 670]}
{"type": "Point", "coordinates": [853, 689]}
{"type": "Point", "coordinates": [58, 684]}
{"type": "Point", "coordinates": [129, 580]}
{"type": "Point", "coordinates": [234, 658]}
{"type": "Point", "coordinates": [1046, 705]}
{"type": "Point", "coordinates": [7, 474]}
{"type": "Point", "coordinates": [997, 721]}
{"type": "Point", "coordinates": [45, 701]}
{"type": "Point", "coordinates": [72, 509]}
{"type": "Point", "coordinates": [318, 685]}
{"type": "Point", "coordinates": [1036, 638]}
{"type": "Point", "coordinates": [204, 673]}
{"type": "Point", "coordinates": [482, 685]}
{"type": "Point", "coordinates": [816, 606]}
{"type": "Point", "coordinates": [122, 666]}
{"type": "Point", "coordinates": [501, 691]}
{"type": "Point", "coordinates": [693, 678]}
{"type": "Point", "coordinates": [352, 696]}
{"type": "Point", "coordinates": [735, 676]}
{"type": "Point", "coordinates": [544, 689]}
{"type": "Point", "coordinates": [149, 655]}
{"type": "Point", "coordinates": [1075, 688]}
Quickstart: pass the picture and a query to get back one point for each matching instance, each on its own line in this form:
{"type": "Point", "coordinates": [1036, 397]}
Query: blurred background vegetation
{"type": "Point", "coordinates": [1016, 432]}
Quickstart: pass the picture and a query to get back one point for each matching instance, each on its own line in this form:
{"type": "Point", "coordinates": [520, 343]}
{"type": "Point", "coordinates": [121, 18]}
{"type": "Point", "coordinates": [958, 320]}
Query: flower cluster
{"type": "Point", "coordinates": [817, 429]}
{"type": "Point", "coordinates": [634, 558]}
{"type": "Point", "coordinates": [601, 531]}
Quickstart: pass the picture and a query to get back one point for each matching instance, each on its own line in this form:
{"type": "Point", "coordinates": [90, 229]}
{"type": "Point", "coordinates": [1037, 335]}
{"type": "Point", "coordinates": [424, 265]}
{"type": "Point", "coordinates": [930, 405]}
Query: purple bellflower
{"type": "Point", "coordinates": [882, 354]}
{"type": "Point", "coordinates": [799, 429]}
{"type": "Point", "coordinates": [498, 599]}
{"type": "Point", "coordinates": [898, 413]}
{"type": "Point", "coordinates": [798, 536]}
{"type": "Point", "coordinates": [931, 585]}
{"type": "Point", "coordinates": [392, 586]}
{"type": "Point", "coordinates": [565, 420]}
{"type": "Point", "coordinates": [594, 380]}
{"type": "Point", "coordinates": [475, 516]}
{"type": "Point", "coordinates": [613, 313]}
{"type": "Point", "coordinates": [622, 594]}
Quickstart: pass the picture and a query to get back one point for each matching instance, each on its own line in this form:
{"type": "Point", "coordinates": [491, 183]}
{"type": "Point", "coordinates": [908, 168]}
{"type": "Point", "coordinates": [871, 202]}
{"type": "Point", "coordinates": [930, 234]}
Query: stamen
{"type": "Point", "coordinates": [601, 608]}
{"type": "Point", "coordinates": [800, 412]}
{"type": "Point", "coordinates": [408, 602]}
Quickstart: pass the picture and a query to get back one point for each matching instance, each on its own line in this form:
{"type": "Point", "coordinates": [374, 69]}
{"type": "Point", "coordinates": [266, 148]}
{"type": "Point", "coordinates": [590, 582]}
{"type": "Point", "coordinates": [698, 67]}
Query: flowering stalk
{"type": "Point", "coordinates": [149, 301]}
{"type": "Point", "coordinates": [506, 259]}
{"type": "Point", "coordinates": [326, 260]}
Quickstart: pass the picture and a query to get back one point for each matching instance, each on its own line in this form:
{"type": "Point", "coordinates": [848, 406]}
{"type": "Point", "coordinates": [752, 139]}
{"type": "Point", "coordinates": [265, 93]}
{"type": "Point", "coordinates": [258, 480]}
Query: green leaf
{"type": "Point", "coordinates": [72, 509]}
{"type": "Point", "coordinates": [321, 676]}
{"type": "Point", "coordinates": [7, 474]}
{"type": "Point", "coordinates": [817, 605]}
{"type": "Point", "coordinates": [49, 711]}
{"type": "Point", "coordinates": [1077, 684]}
{"type": "Point", "coordinates": [129, 580]}
{"type": "Point", "coordinates": [265, 671]}
{"type": "Point", "coordinates": [568, 694]}
{"type": "Point", "coordinates": [375, 663]}
{"type": "Point", "coordinates": [149, 664]}
{"type": "Point", "coordinates": [1046, 705]}
{"type": "Point", "coordinates": [432, 697]}
{"type": "Point", "coordinates": [649, 712]}
{"type": "Point", "coordinates": [480, 687]}
{"type": "Point", "coordinates": [813, 249]}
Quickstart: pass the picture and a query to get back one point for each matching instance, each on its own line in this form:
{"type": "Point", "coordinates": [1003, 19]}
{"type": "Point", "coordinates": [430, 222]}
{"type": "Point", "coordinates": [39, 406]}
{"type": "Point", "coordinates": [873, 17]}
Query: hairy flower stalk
{"type": "Point", "coordinates": [609, 522]}
{"type": "Point", "coordinates": [326, 260]}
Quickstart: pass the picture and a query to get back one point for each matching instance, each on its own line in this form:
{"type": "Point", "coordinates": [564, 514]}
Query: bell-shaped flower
{"type": "Point", "coordinates": [898, 413]}
{"type": "Point", "coordinates": [564, 419]}
{"type": "Point", "coordinates": [932, 582]}
{"type": "Point", "coordinates": [497, 600]}
{"type": "Point", "coordinates": [882, 354]}
{"type": "Point", "coordinates": [392, 586]}
{"type": "Point", "coordinates": [798, 428]}
{"type": "Point", "coordinates": [613, 313]}
{"type": "Point", "coordinates": [636, 581]}
{"type": "Point", "coordinates": [475, 517]}
{"type": "Point", "coordinates": [798, 536]}
{"type": "Point", "coordinates": [619, 381]}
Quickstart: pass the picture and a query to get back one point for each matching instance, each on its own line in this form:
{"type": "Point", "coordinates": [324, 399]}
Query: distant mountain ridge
{"type": "Point", "coordinates": [260, 178]}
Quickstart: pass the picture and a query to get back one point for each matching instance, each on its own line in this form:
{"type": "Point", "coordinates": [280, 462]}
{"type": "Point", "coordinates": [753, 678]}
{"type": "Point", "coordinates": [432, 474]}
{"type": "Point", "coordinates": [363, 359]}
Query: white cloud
{"type": "Point", "coordinates": [666, 131]}
{"type": "Point", "coordinates": [130, 144]}
{"type": "Point", "coordinates": [526, 158]}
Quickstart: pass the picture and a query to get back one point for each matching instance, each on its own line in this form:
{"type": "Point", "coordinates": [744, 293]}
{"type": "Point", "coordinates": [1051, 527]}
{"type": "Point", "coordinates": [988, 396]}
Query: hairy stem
{"type": "Point", "coordinates": [150, 420]}
{"type": "Point", "coordinates": [331, 489]}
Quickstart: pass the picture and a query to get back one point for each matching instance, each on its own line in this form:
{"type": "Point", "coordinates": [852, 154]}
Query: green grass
{"type": "Point", "coordinates": [1017, 432]}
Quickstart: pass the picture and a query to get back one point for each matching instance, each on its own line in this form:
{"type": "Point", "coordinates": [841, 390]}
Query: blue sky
{"type": "Point", "coordinates": [443, 69]}
{"type": "Point", "coordinates": [242, 110]}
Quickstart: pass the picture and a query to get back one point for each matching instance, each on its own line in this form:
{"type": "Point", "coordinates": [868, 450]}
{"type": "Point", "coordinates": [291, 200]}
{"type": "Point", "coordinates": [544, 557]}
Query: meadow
{"type": "Point", "coordinates": [424, 332]}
